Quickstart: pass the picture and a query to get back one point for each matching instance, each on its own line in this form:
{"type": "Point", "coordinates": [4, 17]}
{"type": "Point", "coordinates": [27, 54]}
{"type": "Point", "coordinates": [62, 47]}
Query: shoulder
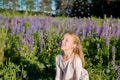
{"type": "Point", "coordinates": [77, 64]}
{"type": "Point", "coordinates": [58, 57]}
{"type": "Point", "coordinates": [77, 60]}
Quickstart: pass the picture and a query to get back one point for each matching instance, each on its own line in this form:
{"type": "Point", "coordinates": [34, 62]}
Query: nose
{"type": "Point", "coordinates": [62, 41]}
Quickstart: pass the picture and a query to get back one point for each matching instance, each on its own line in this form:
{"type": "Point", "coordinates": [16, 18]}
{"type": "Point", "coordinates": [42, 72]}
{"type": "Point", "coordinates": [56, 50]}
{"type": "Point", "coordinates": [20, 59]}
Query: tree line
{"type": "Point", "coordinates": [71, 8]}
{"type": "Point", "coordinates": [87, 8]}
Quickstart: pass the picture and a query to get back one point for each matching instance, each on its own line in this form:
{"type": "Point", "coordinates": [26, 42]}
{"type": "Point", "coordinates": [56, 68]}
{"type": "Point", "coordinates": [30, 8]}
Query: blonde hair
{"type": "Point", "coordinates": [78, 49]}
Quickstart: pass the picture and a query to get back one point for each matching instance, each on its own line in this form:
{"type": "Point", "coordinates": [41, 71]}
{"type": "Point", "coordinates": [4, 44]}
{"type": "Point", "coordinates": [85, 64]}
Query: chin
{"type": "Point", "coordinates": [62, 48]}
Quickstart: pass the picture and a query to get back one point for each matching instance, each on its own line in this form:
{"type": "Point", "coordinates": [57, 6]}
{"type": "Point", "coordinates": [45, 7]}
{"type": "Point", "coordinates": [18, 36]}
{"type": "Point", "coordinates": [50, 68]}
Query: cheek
{"type": "Point", "coordinates": [70, 45]}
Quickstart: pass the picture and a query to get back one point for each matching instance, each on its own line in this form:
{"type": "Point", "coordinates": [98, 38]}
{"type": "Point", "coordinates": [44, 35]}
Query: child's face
{"type": "Point", "coordinates": [67, 42]}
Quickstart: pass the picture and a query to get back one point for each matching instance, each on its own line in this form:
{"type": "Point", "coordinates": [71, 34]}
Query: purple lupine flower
{"type": "Point", "coordinates": [54, 23]}
{"type": "Point", "coordinates": [105, 28]}
{"type": "Point", "coordinates": [116, 32]}
{"type": "Point", "coordinates": [48, 19]}
{"type": "Point", "coordinates": [106, 32]}
{"type": "Point", "coordinates": [12, 24]}
{"type": "Point", "coordinates": [7, 23]}
{"type": "Point", "coordinates": [58, 29]}
{"type": "Point", "coordinates": [114, 65]}
{"type": "Point", "coordinates": [30, 40]}
{"type": "Point", "coordinates": [115, 29]}
{"type": "Point", "coordinates": [46, 25]}
{"type": "Point", "coordinates": [31, 43]}
{"type": "Point", "coordinates": [98, 47]}
{"type": "Point", "coordinates": [107, 41]}
{"type": "Point", "coordinates": [23, 41]}
{"type": "Point", "coordinates": [69, 24]}
{"type": "Point", "coordinates": [77, 31]}
{"type": "Point", "coordinates": [100, 31]}
{"type": "Point", "coordinates": [37, 22]}
{"type": "Point", "coordinates": [117, 69]}
{"type": "Point", "coordinates": [108, 37]}
{"type": "Point", "coordinates": [40, 36]}
{"type": "Point", "coordinates": [118, 73]}
{"type": "Point", "coordinates": [33, 24]}
{"type": "Point", "coordinates": [66, 23]}
{"type": "Point", "coordinates": [20, 26]}
{"type": "Point", "coordinates": [17, 29]}
{"type": "Point", "coordinates": [113, 50]}
{"type": "Point", "coordinates": [111, 20]}
{"type": "Point", "coordinates": [1, 18]}
{"type": "Point", "coordinates": [94, 27]}
{"type": "Point", "coordinates": [86, 28]}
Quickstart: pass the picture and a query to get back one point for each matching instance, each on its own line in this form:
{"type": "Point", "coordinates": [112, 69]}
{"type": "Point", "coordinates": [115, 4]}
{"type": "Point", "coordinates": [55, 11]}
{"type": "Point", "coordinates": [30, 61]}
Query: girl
{"type": "Point", "coordinates": [70, 63]}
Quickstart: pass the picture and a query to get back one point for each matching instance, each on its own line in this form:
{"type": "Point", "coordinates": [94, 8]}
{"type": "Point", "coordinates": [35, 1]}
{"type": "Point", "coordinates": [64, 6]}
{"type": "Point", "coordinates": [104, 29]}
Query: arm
{"type": "Point", "coordinates": [78, 68]}
{"type": "Point", "coordinates": [58, 70]}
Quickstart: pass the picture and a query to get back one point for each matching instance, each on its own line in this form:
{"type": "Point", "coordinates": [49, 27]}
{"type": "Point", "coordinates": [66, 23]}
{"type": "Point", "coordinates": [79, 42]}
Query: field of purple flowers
{"type": "Point", "coordinates": [29, 44]}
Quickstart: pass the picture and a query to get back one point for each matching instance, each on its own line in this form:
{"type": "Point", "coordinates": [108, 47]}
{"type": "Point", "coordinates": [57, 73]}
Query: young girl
{"type": "Point", "coordinates": [70, 63]}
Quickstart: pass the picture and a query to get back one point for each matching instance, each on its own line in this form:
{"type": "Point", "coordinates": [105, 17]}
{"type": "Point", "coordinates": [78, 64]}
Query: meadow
{"type": "Point", "coordinates": [29, 45]}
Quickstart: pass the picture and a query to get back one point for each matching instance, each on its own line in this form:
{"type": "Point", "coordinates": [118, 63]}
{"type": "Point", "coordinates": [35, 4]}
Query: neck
{"type": "Point", "coordinates": [67, 55]}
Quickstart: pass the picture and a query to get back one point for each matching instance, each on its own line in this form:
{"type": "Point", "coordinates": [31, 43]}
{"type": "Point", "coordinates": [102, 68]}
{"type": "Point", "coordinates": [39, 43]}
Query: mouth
{"type": "Point", "coordinates": [62, 45]}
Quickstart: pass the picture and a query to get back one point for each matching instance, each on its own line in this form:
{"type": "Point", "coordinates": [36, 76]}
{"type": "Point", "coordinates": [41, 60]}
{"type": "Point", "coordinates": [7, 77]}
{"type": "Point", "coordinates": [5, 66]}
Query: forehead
{"type": "Point", "coordinates": [67, 35]}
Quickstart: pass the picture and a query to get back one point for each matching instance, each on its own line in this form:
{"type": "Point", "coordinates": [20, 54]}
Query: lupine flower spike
{"type": "Point", "coordinates": [117, 69]}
